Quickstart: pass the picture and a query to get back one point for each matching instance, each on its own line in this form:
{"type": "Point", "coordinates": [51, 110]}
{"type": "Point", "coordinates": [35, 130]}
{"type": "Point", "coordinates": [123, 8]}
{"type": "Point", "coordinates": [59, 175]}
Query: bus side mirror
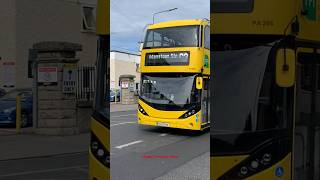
{"type": "Point", "coordinates": [199, 83]}
{"type": "Point", "coordinates": [285, 67]}
{"type": "Point", "coordinates": [141, 46]}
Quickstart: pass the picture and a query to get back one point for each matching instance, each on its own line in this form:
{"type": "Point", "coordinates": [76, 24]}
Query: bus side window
{"type": "Point", "coordinates": [207, 37]}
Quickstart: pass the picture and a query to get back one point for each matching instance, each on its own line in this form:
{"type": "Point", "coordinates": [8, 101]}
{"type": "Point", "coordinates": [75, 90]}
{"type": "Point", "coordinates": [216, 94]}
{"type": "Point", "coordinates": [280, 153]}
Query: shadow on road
{"type": "Point", "coordinates": [174, 131]}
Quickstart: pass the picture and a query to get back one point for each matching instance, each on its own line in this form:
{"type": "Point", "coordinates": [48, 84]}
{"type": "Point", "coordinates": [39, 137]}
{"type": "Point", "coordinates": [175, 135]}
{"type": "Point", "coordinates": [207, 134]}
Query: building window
{"type": "Point", "coordinates": [88, 20]}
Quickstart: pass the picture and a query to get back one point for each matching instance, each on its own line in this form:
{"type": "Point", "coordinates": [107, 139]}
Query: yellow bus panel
{"type": "Point", "coordinates": [103, 17]}
{"type": "Point", "coordinates": [220, 165]}
{"type": "Point", "coordinates": [171, 118]}
{"type": "Point", "coordinates": [178, 23]}
{"type": "Point", "coordinates": [97, 169]}
{"type": "Point", "coordinates": [259, 21]}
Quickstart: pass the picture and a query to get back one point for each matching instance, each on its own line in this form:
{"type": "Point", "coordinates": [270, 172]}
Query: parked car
{"type": "Point", "coordinates": [8, 107]}
{"type": "Point", "coordinates": [2, 92]}
{"type": "Point", "coordinates": [113, 95]}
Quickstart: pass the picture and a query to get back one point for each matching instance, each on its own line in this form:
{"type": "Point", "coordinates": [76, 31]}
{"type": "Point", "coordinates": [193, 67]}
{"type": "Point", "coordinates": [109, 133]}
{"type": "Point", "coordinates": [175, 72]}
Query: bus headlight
{"type": "Point", "coordinates": [142, 110]}
{"type": "Point", "coordinates": [99, 151]}
{"type": "Point", "coordinates": [188, 114]}
{"type": "Point", "coordinates": [265, 157]}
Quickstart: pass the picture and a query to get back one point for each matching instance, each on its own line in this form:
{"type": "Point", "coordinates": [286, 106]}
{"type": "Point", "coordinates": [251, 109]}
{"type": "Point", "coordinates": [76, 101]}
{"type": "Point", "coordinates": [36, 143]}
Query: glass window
{"type": "Point", "coordinates": [258, 103]}
{"type": "Point", "coordinates": [181, 36]}
{"type": "Point", "coordinates": [169, 91]}
{"type": "Point", "coordinates": [235, 6]}
{"type": "Point", "coordinates": [207, 37]}
{"type": "Point", "coordinates": [102, 96]}
{"type": "Point", "coordinates": [11, 95]}
{"type": "Point", "coordinates": [88, 18]}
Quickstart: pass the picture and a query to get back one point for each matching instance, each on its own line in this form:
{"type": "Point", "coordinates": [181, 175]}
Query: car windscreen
{"type": "Point", "coordinates": [13, 94]}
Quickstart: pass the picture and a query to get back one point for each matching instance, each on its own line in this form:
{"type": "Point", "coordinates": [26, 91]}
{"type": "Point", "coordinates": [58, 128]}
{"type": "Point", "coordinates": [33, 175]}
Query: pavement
{"type": "Point", "coordinates": [27, 146]}
{"type": "Point", "coordinates": [35, 157]}
{"type": "Point", "coordinates": [199, 166]}
{"type": "Point", "coordinates": [72, 166]}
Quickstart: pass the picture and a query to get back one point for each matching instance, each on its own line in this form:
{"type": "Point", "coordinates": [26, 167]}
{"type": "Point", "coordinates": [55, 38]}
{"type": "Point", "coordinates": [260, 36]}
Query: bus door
{"type": "Point", "coordinates": [307, 124]}
{"type": "Point", "coordinates": [205, 106]}
{"type": "Point", "coordinates": [252, 124]}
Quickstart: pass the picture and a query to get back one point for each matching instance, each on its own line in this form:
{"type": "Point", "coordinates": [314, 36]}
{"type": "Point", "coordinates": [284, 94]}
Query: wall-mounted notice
{"type": "Point", "coordinates": [70, 75]}
{"type": "Point", "coordinates": [47, 74]}
{"type": "Point", "coordinates": [125, 85]}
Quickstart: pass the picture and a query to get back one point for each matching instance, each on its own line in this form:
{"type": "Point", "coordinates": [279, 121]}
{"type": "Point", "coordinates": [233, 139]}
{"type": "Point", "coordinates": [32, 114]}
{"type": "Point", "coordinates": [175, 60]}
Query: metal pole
{"type": "Point", "coordinates": [168, 10]}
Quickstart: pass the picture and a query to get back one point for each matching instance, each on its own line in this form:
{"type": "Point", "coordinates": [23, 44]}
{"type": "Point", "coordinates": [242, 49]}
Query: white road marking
{"type": "Point", "coordinates": [125, 115]}
{"type": "Point", "coordinates": [82, 169]}
{"type": "Point", "coordinates": [42, 171]}
{"type": "Point", "coordinates": [163, 134]}
{"type": "Point", "coordinates": [128, 144]}
{"type": "Point", "coordinates": [8, 130]}
{"type": "Point", "coordinates": [123, 123]}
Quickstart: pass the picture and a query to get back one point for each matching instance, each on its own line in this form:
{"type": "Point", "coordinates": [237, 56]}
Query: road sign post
{"type": "Point", "coordinates": [18, 114]}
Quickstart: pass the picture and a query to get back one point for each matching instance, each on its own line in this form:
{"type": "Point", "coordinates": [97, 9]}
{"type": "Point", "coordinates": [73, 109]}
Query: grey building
{"type": "Point", "coordinates": [25, 22]}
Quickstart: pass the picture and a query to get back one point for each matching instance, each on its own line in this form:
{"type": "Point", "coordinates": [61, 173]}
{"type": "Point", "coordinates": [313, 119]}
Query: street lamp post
{"type": "Point", "coordinates": [168, 10]}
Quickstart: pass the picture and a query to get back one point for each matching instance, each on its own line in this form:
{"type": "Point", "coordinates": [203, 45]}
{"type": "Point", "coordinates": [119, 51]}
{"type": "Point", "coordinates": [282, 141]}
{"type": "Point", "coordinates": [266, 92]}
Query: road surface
{"type": "Point", "coordinates": [146, 153]}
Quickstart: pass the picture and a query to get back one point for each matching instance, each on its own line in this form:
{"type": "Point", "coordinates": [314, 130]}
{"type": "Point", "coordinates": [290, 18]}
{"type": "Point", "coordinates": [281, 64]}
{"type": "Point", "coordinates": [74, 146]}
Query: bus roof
{"type": "Point", "coordinates": [179, 23]}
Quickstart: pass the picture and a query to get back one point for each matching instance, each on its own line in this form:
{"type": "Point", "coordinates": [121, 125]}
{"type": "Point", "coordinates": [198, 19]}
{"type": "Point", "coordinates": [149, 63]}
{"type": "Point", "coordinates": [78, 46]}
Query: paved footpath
{"type": "Point", "coordinates": [34, 157]}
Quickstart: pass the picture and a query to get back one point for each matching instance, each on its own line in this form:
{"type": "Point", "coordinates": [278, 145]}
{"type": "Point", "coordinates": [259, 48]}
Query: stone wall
{"type": "Point", "coordinates": [57, 112]}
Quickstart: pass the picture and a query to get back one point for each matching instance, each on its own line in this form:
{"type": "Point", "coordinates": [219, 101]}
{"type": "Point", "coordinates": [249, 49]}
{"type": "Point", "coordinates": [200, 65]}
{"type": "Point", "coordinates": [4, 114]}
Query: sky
{"type": "Point", "coordinates": [129, 18]}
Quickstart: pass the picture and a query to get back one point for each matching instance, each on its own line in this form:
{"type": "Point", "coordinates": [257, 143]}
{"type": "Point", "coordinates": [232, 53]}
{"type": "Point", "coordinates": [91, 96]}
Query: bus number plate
{"type": "Point", "coordinates": [162, 124]}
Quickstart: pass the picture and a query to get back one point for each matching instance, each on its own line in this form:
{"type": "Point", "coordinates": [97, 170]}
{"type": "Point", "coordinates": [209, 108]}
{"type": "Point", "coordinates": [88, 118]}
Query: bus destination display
{"type": "Point", "coordinates": [167, 59]}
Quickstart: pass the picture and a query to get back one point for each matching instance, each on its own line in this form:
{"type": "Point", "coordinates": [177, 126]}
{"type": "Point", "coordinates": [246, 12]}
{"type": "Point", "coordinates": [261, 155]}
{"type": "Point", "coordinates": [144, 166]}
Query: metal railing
{"type": "Point", "coordinates": [86, 82]}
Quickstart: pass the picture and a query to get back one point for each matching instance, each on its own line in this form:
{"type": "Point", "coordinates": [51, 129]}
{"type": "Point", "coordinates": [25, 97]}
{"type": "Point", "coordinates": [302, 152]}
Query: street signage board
{"type": "Point", "coordinates": [70, 75]}
{"type": "Point", "coordinates": [47, 74]}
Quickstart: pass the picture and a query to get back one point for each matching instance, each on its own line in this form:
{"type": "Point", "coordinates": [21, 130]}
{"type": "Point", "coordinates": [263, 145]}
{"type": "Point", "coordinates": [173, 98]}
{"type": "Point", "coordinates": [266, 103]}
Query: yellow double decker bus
{"type": "Point", "coordinates": [99, 151]}
{"type": "Point", "coordinates": [266, 105]}
{"type": "Point", "coordinates": [175, 73]}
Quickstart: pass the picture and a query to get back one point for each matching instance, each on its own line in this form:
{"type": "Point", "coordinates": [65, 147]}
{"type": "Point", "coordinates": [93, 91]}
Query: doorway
{"type": "Point", "coordinates": [307, 122]}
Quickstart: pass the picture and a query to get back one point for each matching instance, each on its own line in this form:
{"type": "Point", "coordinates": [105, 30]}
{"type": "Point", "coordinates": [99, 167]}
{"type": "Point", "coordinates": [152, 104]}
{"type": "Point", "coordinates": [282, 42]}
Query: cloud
{"type": "Point", "coordinates": [130, 17]}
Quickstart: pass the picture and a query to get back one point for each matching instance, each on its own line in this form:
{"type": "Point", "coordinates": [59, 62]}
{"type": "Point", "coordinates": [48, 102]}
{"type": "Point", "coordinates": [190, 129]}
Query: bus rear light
{"type": "Point", "coordinates": [142, 110]}
{"type": "Point", "coordinates": [99, 151]}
